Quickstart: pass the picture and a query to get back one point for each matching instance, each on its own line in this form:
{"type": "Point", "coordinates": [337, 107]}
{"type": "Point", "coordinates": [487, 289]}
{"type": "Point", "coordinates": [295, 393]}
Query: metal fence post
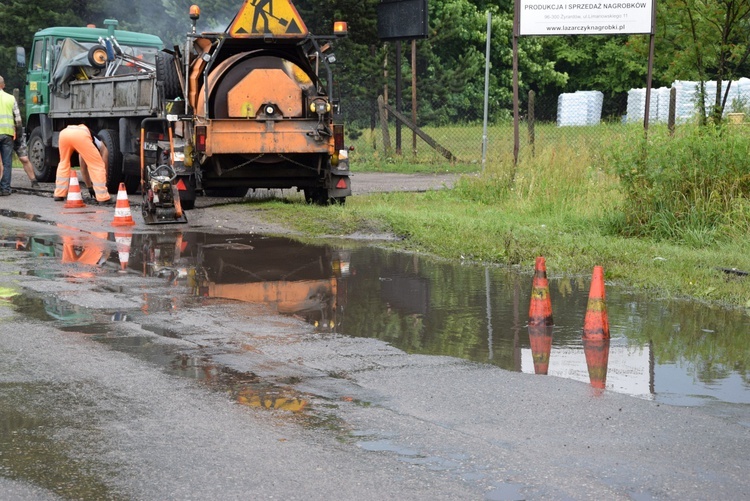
{"type": "Point", "coordinates": [486, 89]}
{"type": "Point", "coordinates": [384, 127]}
{"type": "Point", "coordinates": [532, 96]}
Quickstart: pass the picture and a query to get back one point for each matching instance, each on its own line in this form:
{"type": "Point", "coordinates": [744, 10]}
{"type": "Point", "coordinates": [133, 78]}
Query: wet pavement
{"type": "Point", "coordinates": [417, 375]}
{"type": "Point", "coordinates": [668, 351]}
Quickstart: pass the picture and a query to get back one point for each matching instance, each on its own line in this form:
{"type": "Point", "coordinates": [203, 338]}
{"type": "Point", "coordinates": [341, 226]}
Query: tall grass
{"type": "Point", "coordinates": [693, 188]}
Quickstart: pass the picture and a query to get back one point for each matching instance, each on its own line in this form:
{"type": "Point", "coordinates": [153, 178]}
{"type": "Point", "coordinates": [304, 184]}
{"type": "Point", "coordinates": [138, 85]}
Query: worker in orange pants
{"type": "Point", "coordinates": [92, 152]}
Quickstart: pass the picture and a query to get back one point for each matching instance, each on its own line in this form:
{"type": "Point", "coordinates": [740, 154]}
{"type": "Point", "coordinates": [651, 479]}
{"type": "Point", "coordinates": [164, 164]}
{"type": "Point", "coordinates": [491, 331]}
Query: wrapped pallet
{"type": "Point", "coordinates": [579, 108]}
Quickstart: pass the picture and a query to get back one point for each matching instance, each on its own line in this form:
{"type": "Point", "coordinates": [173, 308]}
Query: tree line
{"type": "Point", "coordinates": [698, 40]}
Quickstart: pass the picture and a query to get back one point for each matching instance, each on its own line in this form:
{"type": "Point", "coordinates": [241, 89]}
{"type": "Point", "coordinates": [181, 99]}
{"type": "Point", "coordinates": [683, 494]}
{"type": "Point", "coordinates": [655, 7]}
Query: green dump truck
{"type": "Point", "coordinates": [69, 82]}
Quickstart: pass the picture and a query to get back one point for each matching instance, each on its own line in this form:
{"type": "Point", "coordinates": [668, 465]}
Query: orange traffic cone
{"type": "Point", "coordinates": [597, 357]}
{"type": "Point", "coordinates": [540, 339]}
{"type": "Point", "coordinates": [540, 309]}
{"type": "Point", "coordinates": [595, 324]}
{"type": "Point", "coordinates": [123, 217]}
{"type": "Point", "coordinates": [123, 249]}
{"type": "Point", "coordinates": [74, 200]}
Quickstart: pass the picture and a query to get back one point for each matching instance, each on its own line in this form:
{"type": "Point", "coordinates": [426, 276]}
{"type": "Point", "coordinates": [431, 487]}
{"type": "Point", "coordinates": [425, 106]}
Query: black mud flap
{"type": "Point", "coordinates": [340, 187]}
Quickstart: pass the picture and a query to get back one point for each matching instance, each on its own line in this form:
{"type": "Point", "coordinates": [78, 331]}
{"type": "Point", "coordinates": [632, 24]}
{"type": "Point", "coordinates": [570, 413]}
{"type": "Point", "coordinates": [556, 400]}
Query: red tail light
{"type": "Point", "coordinates": [181, 185]}
{"type": "Point", "coordinates": [341, 184]}
{"type": "Point", "coordinates": [200, 138]}
{"type": "Point", "coordinates": [338, 137]}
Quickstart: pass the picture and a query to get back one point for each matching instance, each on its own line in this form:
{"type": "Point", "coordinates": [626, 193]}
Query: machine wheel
{"type": "Point", "coordinates": [97, 56]}
{"type": "Point", "coordinates": [166, 73]}
{"type": "Point", "coordinates": [111, 140]}
{"type": "Point", "coordinates": [42, 157]}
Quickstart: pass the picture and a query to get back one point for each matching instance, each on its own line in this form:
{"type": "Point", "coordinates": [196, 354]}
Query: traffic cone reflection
{"type": "Point", "coordinates": [540, 339]}
{"type": "Point", "coordinates": [596, 324]}
{"type": "Point", "coordinates": [123, 249]}
{"type": "Point", "coordinates": [123, 217]}
{"type": "Point", "coordinates": [74, 200]}
{"type": "Point", "coordinates": [596, 352]}
{"type": "Point", "coordinates": [92, 252]}
{"type": "Point", "coordinates": [596, 331]}
{"type": "Point", "coordinates": [540, 309]}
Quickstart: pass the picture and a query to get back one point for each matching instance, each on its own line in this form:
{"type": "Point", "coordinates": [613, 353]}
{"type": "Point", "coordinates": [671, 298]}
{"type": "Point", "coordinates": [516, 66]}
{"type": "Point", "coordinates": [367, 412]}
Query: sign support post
{"type": "Point", "coordinates": [403, 20]}
{"type": "Point", "coordinates": [486, 89]}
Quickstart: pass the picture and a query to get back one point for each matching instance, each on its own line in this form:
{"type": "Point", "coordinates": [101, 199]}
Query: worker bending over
{"type": "Point", "coordinates": [92, 152]}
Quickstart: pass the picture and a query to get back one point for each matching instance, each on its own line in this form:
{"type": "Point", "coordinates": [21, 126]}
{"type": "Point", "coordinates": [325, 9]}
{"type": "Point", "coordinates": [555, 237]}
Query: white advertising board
{"type": "Point", "coordinates": [612, 17]}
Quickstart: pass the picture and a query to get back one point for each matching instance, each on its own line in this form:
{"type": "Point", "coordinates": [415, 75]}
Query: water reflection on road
{"type": "Point", "coordinates": [675, 352]}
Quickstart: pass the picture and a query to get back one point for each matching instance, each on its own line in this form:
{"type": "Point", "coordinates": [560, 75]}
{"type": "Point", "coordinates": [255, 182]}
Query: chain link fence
{"type": "Point", "coordinates": [578, 120]}
{"type": "Point", "coordinates": [581, 119]}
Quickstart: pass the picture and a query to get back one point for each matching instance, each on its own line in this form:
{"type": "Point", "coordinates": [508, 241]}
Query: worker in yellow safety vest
{"type": "Point", "coordinates": [7, 136]}
{"type": "Point", "coordinates": [92, 153]}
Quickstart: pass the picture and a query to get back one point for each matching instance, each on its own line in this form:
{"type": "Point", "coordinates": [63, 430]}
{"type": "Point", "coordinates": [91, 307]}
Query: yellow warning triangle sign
{"type": "Point", "coordinates": [263, 18]}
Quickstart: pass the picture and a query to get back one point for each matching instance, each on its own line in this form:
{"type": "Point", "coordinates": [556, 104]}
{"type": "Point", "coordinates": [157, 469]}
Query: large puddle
{"type": "Point", "coordinates": [675, 352]}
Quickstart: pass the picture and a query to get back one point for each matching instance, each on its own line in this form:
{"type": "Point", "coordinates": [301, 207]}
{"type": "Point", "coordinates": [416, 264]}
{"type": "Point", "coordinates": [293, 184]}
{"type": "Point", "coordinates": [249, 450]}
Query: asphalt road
{"type": "Point", "coordinates": [187, 399]}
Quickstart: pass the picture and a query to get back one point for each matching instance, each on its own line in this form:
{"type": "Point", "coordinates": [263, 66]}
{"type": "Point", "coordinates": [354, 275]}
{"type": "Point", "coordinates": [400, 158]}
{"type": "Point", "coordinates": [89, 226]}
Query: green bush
{"type": "Point", "coordinates": [693, 188]}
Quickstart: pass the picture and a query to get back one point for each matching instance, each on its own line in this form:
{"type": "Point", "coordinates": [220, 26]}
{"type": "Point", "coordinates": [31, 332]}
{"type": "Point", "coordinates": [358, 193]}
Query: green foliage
{"type": "Point", "coordinates": [693, 188]}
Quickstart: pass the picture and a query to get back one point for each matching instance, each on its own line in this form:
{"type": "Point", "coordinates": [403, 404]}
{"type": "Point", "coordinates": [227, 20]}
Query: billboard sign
{"type": "Point", "coordinates": [611, 17]}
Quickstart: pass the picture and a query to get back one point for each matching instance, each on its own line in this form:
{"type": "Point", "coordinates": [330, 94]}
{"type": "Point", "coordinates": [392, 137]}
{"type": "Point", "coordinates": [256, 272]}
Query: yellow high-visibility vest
{"type": "Point", "coordinates": [7, 121]}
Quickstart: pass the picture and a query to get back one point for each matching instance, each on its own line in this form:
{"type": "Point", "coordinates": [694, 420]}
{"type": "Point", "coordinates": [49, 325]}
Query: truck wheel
{"type": "Point", "coordinates": [166, 74]}
{"type": "Point", "coordinates": [42, 157]}
{"type": "Point", "coordinates": [234, 192]}
{"type": "Point", "coordinates": [132, 183]}
{"type": "Point", "coordinates": [317, 196]}
{"type": "Point", "coordinates": [114, 159]}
